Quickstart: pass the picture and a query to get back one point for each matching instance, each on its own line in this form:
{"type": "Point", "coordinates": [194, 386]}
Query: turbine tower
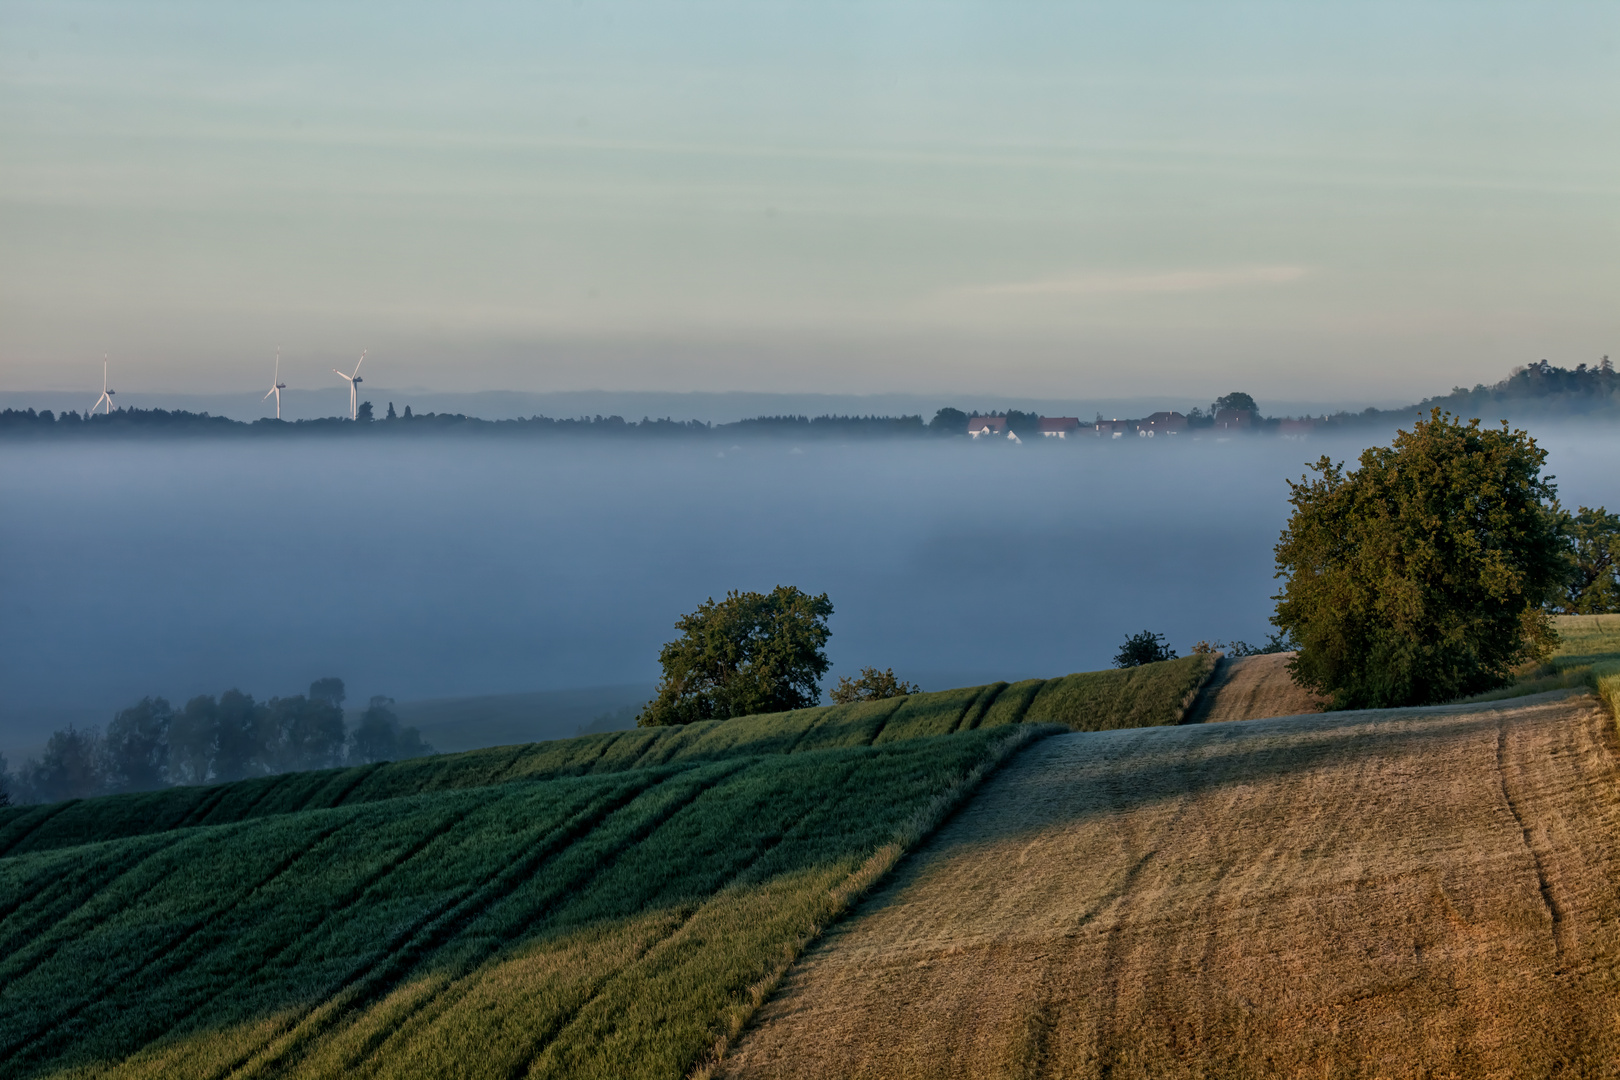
{"type": "Point", "coordinates": [277, 386]}
{"type": "Point", "coordinates": [106, 394]}
{"type": "Point", "coordinates": [354, 381]}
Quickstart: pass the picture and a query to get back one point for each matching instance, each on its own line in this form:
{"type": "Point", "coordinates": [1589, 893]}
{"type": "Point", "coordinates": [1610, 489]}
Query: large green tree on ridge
{"type": "Point", "coordinates": [1424, 575]}
{"type": "Point", "coordinates": [749, 653]}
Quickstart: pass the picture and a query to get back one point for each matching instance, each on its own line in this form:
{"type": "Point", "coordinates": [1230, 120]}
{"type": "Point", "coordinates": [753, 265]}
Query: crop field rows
{"type": "Point", "coordinates": [612, 905]}
{"type": "Point", "coordinates": [1152, 695]}
{"type": "Point", "coordinates": [585, 926]}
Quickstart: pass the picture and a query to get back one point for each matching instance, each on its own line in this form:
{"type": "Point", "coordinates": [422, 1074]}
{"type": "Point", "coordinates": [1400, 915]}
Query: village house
{"type": "Point", "coordinates": [1111, 428]}
{"type": "Point", "coordinates": [1234, 420]}
{"type": "Point", "coordinates": [1293, 429]}
{"type": "Point", "coordinates": [1161, 423]}
{"type": "Point", "coordinates": [987, 425]}
{"type": "Point", "coordinates": [1058, 427]}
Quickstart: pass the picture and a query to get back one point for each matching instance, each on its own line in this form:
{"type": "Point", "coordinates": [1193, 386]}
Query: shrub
{"type": "Point", "coordinates": [1144, 648]}
{"type": "Point", "coordinates": [871, 685]}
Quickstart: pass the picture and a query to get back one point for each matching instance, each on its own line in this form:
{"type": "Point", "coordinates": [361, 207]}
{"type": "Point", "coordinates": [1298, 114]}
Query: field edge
{"type": "Point", "coordinates": [848, 894]}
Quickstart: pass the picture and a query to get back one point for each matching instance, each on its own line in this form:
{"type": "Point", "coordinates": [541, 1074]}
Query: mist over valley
{"type": "Point", "coordinates": [440, 567]}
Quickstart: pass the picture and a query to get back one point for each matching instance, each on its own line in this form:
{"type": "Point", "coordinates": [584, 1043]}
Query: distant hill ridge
{"type": "Point", "coordinates": [1539, 390]}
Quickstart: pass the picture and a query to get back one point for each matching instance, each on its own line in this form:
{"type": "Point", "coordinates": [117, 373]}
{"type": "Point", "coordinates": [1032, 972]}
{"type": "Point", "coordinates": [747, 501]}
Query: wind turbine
{"type": "Point", "coordinates": [277, 386]}
{"type": "Point", "coordinates": [106, 394]}
{"type": "Point", "coordinates": [354, 381]}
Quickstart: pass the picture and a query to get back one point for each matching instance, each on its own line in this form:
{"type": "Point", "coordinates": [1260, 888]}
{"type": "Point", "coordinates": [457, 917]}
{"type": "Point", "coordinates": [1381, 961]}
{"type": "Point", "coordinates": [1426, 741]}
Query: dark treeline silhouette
{"type": "Point", "coordinates": [1539, 389]}
{"type": "Point", "coordinates": [1536, 390]}
{"type": "Point", "coordinates": [211, 740]}
{"type": "Point", "coordinates": [179, 422]}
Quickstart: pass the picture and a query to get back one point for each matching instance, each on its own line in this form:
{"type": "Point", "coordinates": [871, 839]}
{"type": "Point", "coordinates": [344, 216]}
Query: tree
{"type": "Point", "coordinates": [137, 746]}
{"type": "Point", "coordinates": [1237, 400]}
{"type": "Point", "coordinates": [193, 740]}
{"type": "Point", "coordinates": [245, 735]}
{"type": "Point", "coordinates": [5, 783]}
{"type": "Point", "coordinates": [1422, 576]}
{"type": "Point", "coordinates": [1023, 423]}
{"type": "Point", "coordinates": [871, 685]}
{"type": "Point", "coordinates": [1593, 587]}
{"type": "Point", "coordinates": [329, 691]}
{"type": "Point", "coordinates": [949, 421]}
{"type": "Point", "coordinates": [363, 413]}
{"type": "Point", "coordinates": [379, 737]}
{"type": "Point", "coordinates": [70, 768]}
{"type": "Point", "coordinates": [1144, 648]}
{"type": "Point", "coordinates": [749, 653]}
{"type": "Point", "coordinates": [306, 732]}
{"type": "Point", "coordinates": [391, 415]}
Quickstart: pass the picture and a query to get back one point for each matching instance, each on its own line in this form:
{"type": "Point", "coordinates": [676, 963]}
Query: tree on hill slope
{"type": "Point", "coordinates": [1424, 575]}
{"type": "Point", "coordinates": [749, 653]}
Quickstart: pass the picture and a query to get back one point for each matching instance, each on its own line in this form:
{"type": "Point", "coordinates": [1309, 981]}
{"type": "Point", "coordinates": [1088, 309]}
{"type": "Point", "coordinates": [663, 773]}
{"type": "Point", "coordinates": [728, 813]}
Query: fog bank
{"type": "Point", "coordinates": [432, 567]}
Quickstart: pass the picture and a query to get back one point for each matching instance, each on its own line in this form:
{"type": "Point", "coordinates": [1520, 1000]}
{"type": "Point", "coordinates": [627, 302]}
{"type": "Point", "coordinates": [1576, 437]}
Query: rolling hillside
{"type": "Point", "coordinates": [1427, 892]}
{"type": "Point", "coordinates": [612, 905]}
{"type": "Point", "coordinates": [1420, 892]}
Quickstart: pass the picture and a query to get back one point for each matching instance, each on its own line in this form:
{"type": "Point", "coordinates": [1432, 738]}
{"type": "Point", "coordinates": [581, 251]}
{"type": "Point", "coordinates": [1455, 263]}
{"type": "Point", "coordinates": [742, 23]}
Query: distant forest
{"type": "Point", "coordinates": [1539, 390]}
{"type": "Point", "coordinates": [211, 740]}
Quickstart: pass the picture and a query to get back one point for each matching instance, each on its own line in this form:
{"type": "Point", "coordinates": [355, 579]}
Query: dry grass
{"type": "Point", "coordinates": [1252, 688]}
{"type": "Point", "coordinates": [1396, 893]}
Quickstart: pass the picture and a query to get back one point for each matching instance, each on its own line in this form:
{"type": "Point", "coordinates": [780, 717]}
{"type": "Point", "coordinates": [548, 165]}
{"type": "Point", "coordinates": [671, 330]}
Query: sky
{"type": "Point", "coordinates": [1311, 201]}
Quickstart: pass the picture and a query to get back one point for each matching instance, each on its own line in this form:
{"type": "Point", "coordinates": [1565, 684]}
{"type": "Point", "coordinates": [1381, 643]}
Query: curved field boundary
{"type": "Point", "coordinates": [1251, 688]}
{"type": "Point", "coordinates": [1430, 892]}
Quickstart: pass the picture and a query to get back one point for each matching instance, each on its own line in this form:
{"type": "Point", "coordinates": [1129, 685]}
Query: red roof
{"type": "Point", "coordinates": [994, 423]}
{"type": "Point", "coordinates": [1059, 423]}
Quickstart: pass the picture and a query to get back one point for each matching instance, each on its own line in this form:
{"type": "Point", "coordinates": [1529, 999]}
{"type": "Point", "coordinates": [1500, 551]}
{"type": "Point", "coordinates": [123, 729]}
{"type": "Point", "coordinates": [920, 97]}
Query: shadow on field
{"type": "Point", "coordinates": [1117, 772]}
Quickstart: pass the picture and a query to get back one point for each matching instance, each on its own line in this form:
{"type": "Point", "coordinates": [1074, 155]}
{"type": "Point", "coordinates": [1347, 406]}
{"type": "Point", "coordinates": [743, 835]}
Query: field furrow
{"type": "Point", "coordinates": [1426, 892]}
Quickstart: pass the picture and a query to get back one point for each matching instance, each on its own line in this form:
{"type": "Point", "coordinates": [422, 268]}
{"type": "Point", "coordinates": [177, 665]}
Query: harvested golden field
{"type": "Point", "coordinates": [1252, 688]}
{"type": "Point", "coordinates": [1430, 892]}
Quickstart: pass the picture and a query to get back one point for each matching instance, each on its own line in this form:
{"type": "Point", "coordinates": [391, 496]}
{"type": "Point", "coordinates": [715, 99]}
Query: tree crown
{"type": "Point", "coordinates": [748, 653]}
{"type": "Point", "coordinates": [1421, 576]}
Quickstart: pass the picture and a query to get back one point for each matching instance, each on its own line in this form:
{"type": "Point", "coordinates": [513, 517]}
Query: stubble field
{"type": "Point", "coordinates": [1395, 893]}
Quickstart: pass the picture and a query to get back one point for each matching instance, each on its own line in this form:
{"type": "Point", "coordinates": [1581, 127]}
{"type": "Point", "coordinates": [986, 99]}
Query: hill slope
{"type": "Point", "coordinates": [1392, 893]}
{"type": "Point", "coordinates": [1251, 688]}
{"type": "Point", "coordinates": [612, 905]}
{"type": "Point", "coordinates": [611, 925]}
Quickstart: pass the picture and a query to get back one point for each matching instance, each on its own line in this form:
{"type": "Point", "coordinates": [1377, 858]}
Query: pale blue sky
{"type": "Point", "coordinates": [1308, 200]}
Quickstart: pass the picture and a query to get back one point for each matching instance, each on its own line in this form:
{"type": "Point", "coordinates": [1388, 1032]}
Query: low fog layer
{"type": "Point", "coordinates": [428, 568]}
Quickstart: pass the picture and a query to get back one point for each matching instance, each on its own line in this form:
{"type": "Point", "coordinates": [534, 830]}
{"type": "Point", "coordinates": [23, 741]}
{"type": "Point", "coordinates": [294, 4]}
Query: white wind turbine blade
{"type": "Point", "coordinates": [267, 394]}
{"type": "Point", "coordinates": [360, 361]}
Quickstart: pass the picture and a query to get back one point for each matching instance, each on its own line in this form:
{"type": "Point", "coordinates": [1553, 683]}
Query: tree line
{"type": "Point", "coordinates": [1541, 388]}
{"type": "Point", "coordinates": [152, 744]}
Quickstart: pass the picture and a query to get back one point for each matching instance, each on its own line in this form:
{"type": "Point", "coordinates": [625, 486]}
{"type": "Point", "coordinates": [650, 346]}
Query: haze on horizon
{"type": "Point", "coordinates": [1308, 201]}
